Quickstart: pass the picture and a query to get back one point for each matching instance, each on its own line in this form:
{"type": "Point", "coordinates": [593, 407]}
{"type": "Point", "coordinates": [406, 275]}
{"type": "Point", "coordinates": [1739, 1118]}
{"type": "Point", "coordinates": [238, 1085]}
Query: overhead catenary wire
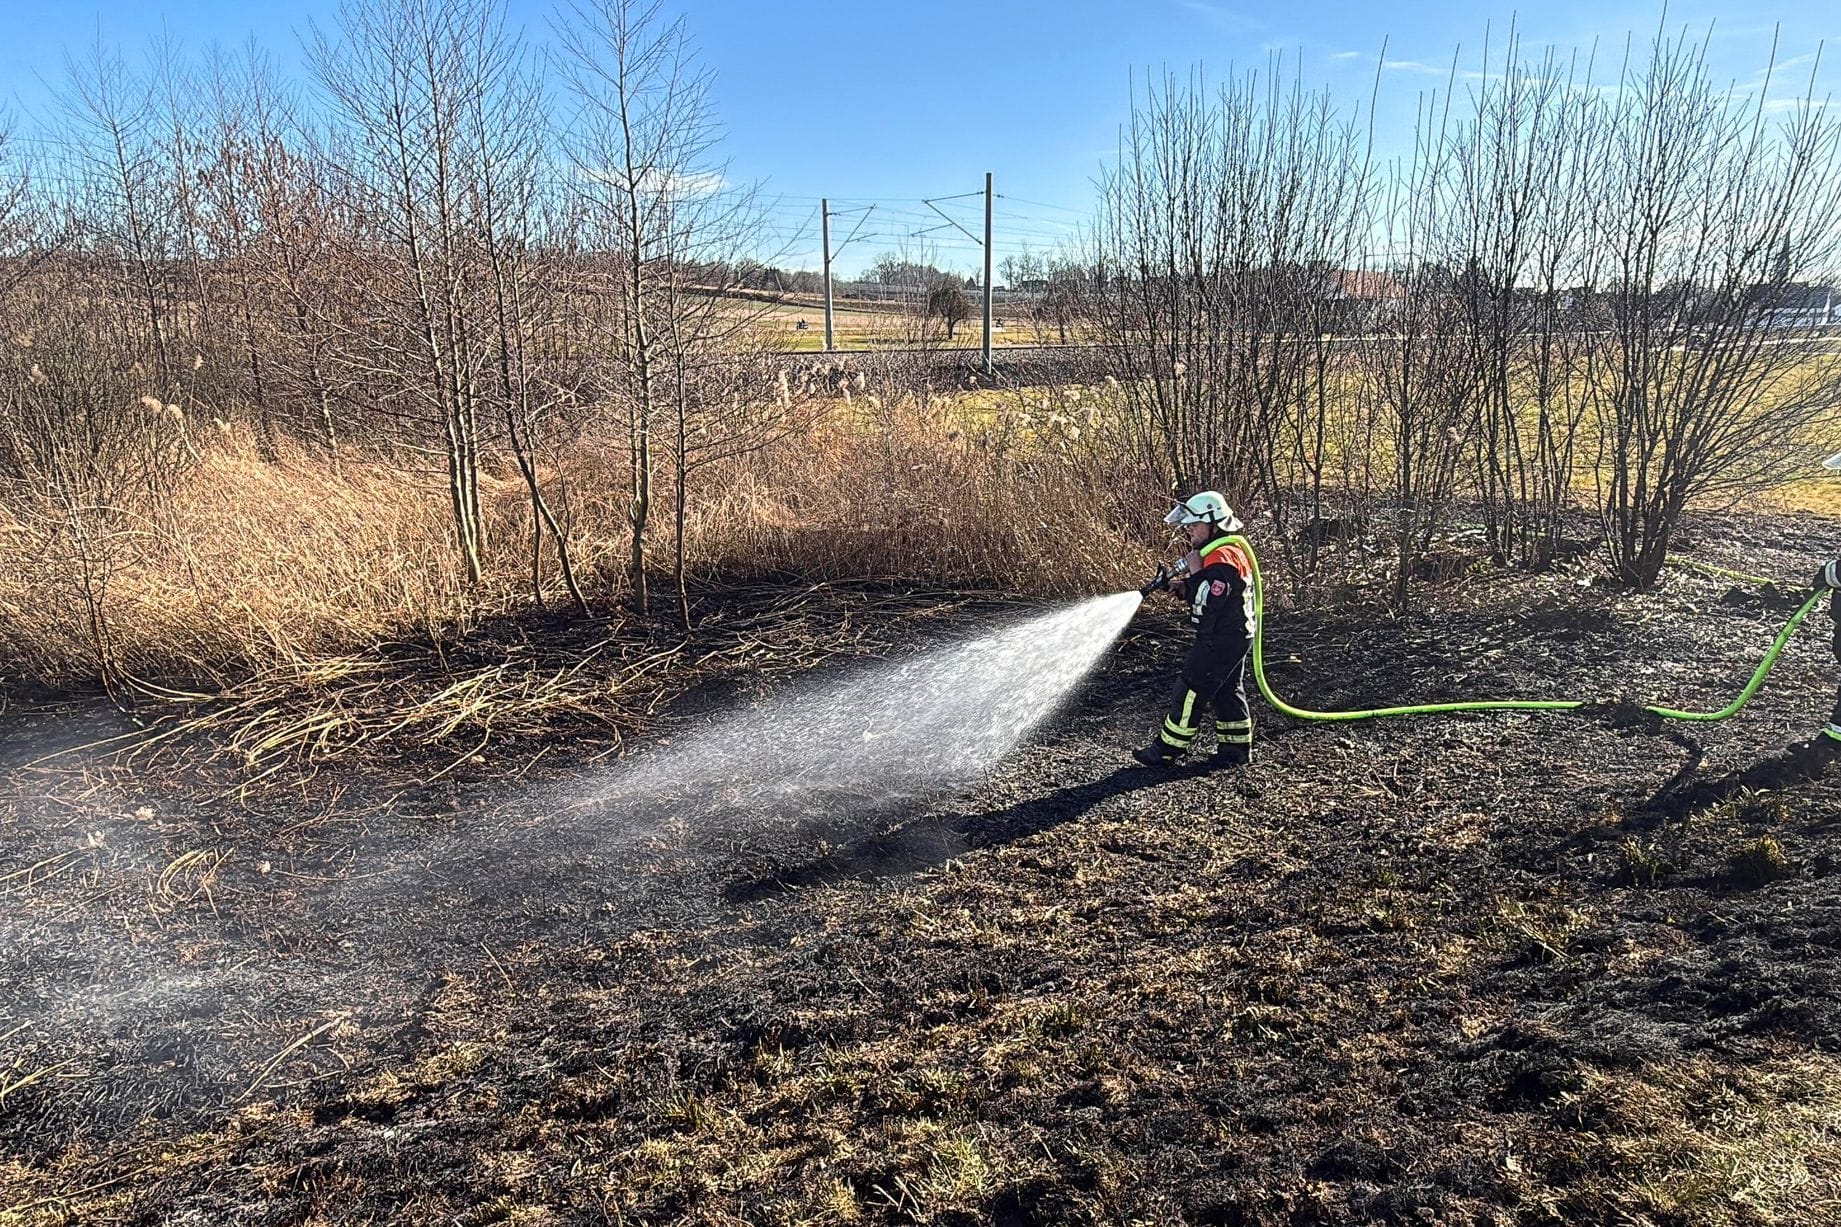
{"type": "Point", "coordinates": [1042, 204]}
{"type": "Point", "coordinates": [853, 233]}
{"type": "Point", "coordinates": [926, 229]}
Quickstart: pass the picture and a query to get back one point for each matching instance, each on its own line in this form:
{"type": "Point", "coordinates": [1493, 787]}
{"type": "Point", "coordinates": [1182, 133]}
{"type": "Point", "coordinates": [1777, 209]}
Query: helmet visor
{"type": "Point", "coordinates": [1178, 514]}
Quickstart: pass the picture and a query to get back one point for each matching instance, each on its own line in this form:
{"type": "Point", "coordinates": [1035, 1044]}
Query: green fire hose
{"type": "Point", "coordinates": [1425, 709]}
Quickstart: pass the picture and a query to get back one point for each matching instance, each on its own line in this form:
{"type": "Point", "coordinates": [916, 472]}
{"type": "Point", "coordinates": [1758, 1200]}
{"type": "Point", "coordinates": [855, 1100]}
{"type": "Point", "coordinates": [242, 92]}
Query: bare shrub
{"type": "Point", "coordinates": [1218, 235]}
{"type": "Point", "coordinates": [1709, 212]}
{"type": "Point", "coordinates": [1524, 157]}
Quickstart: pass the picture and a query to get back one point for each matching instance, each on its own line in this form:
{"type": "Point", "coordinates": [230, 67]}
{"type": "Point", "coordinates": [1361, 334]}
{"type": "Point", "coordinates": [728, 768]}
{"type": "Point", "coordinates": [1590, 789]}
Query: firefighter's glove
{"type": "Point", "coordinates": [1829, 576]}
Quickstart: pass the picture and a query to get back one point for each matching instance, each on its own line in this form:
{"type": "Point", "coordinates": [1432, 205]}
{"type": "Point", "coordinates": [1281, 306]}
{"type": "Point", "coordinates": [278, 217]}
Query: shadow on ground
{"type": "Point", "coordinates": [932, 840]}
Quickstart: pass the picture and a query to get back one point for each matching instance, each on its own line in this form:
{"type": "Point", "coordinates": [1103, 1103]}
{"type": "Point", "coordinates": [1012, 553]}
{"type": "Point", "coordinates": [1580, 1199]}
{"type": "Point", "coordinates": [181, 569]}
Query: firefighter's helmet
{"type": "Point", "coordinates": [1204, 508]}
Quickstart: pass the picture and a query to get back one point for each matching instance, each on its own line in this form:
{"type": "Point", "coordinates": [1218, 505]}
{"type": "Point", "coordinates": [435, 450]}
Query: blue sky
{"type": "Point", "coordinates": [876, 102]}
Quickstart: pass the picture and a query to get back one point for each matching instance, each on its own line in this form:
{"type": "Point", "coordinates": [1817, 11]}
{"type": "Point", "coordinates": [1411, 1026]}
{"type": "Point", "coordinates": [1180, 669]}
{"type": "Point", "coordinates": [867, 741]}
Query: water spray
{"type": "Point", "coordinates": [911, 726]}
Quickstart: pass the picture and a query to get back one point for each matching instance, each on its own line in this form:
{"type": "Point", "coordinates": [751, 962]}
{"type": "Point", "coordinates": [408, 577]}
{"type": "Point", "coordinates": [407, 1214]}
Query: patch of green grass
{"type": "Point", "coordinates": [1639, 864]}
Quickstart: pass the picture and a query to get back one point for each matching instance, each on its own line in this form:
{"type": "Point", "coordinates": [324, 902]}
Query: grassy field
{"type": "Point", "coordinates": [1821, 495]}
{"type": "Point", "coordinates": [874, 325]}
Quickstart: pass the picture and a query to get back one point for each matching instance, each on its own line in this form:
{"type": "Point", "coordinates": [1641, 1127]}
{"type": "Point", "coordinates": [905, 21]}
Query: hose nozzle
{"type": "Point", "coordinates": [1167, 574]}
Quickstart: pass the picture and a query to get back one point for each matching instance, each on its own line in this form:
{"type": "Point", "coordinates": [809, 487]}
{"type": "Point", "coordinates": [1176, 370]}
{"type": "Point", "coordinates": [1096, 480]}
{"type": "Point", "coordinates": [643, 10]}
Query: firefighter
{"type": "Point", "coordinates": [1217, 584]}
{"type": "Point", "coordinates": [1828, 742]}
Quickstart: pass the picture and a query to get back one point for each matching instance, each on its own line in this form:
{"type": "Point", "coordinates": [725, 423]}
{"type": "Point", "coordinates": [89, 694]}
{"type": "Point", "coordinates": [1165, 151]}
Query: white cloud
{"type": "Point", "coordinates": [1413, 66]}
{"type": "Point", "coordinates": [705, 184]}
{"type": "Point", "coordinates": [1777, 106]}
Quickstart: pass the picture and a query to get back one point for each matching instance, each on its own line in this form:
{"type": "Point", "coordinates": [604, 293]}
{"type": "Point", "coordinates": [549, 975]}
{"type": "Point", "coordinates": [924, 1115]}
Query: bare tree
{"type": "Point", "coordinates": [519, 217]}
{"type": "Point", "coordinates": [301, 256]}
{"type": "Point", "coordinates": [241, 133]}
{"type": "Point", "coordinates": [698, 369]}
{"type": "Point", "coordinates": [1022, 268]}
{"type": "Point", "coordinates": [1065, 300]}
{"type": "Point", "coordinates": [642, 143]}
{"type": "Point", "coordinates": [1217, 233]}
{"type": "Point", "coordinates": [31, 234]}
{"type": "Point", "coordinates": [410, 80]}
{"type": "Point", "coordinates": [114, 175]}
{"type": "Point", "coordinates": [1708, 213]}
{"type": "Point", "coordinates": [948, 305]}
{"type": "Point", "coordinates": [910, 277]}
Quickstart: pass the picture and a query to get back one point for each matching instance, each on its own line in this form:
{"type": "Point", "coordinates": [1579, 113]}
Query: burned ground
{"type": "Point", "coordinates": [1498, 968]}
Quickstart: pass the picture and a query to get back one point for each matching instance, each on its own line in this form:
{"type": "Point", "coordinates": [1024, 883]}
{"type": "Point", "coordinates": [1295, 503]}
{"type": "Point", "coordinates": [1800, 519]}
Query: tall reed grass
{"type": "Point", "coordinates": [246, 566]}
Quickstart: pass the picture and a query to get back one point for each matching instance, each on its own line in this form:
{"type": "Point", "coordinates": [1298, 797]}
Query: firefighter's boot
{"type": "Point", "coordinates": [1231, 756]}
{"type": "Point", "coordinates": [1159, 753]}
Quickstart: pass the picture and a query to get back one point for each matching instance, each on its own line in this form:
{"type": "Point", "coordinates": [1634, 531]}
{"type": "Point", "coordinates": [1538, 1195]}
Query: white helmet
{"type": "Point", "coordinates": [1205, 508]}
{"type": "Point", "coordinates": [1833, 463]}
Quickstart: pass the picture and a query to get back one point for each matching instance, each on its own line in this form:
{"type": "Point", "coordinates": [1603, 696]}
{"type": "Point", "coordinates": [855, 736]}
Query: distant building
{"type": "Point", "coordinates": [1361, 285]}
{"type": "Point", "coordinates": [1805, 306]}
{"type": "Point", "coordinates": [1366, 296]}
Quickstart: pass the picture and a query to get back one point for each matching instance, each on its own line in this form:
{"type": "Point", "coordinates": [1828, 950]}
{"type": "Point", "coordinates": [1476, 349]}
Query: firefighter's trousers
{"type": "Point", "coordinates": [1225, 693]}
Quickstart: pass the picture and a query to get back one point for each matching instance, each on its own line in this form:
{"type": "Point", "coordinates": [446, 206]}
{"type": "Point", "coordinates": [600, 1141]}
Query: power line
{"type": "Point", "coordinates": [1043, 204]}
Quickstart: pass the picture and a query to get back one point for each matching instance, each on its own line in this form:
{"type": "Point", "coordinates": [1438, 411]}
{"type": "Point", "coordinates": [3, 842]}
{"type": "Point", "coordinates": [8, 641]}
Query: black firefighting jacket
{"type": "Point", "coordinates": [1221, 608]}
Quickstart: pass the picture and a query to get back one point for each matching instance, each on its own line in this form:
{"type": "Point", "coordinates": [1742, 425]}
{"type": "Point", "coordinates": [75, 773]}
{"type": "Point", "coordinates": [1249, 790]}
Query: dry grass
{"type": "Point", "coordinates": [882, 325]}
{"type": "Point", "coordinates": [910, 489]}
{"type": "Point", "coordinates": [1715, 1143]}
{"type": "Point", "coordinates": [1821, 495]}
{"type": "Point", "coordinates": [296, 569]}
{"type": "Point", "coordinates": [251, 566]}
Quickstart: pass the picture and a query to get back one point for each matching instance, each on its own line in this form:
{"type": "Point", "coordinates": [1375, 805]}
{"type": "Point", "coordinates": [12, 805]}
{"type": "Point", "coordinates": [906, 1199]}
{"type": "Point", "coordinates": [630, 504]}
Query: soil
{"type": "Point", "coordinates": [1475, 969]}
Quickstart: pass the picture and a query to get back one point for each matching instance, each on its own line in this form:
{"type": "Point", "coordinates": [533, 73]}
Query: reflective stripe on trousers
{"type": "Point", "coordinates": [1179, 727]}
{"type": "Point", "coordinates": [1234, 732]}
{"type": "Point", "coordinates": [1233, 719]}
